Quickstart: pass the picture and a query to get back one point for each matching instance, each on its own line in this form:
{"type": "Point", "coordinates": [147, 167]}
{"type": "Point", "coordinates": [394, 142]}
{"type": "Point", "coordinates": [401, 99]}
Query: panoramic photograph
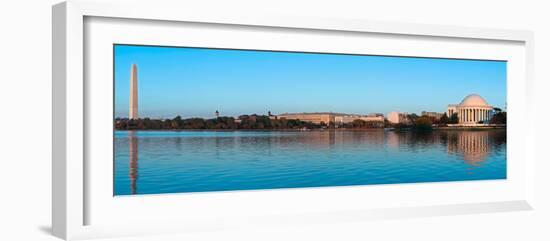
{"type": "Point", "coordinates": [190, 119]}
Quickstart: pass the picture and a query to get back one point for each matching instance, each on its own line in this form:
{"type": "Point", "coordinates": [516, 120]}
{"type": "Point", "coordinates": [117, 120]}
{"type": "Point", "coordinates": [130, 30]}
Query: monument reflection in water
{"type": "Point", "coordinates": [133, 164]}
{"type": "Point", "coordinates": [148, 162]}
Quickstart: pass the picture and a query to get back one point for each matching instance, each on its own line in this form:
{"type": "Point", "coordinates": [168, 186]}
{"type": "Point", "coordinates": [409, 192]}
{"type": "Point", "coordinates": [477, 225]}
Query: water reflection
{"type": "Point", "coordinates": [473, 146]}
{"type": "Point", "coordinates": [133, 157]}
{"type": "Point", "coordinates": [209, 161]}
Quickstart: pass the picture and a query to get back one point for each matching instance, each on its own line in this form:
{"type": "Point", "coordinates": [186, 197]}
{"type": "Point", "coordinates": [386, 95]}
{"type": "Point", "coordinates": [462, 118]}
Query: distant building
{"type": "Point", "coordinates": [435, 115]}
{"type": "Point", "coordinates": [317, 117]}
{"type": "Point", "coordinates": [329, 117]}
{"type": "Point", "coordinates": [217, 114]}
{"type": "Point", "coordinates": [375, 115]}
{"type": "Point", "coordinates": [271, 116]}
{"type": "Point", "coordinates": [344, 119]}
{"type": "Point", "coordinates": [398, 117]}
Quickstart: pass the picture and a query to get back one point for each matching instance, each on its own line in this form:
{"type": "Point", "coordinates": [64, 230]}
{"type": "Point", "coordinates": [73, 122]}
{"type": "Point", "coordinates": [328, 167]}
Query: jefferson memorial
{"type": "Point", "coordinates": [472, 110]}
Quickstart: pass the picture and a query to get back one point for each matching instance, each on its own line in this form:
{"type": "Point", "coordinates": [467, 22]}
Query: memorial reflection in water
{"type": "Point", "coordinates": [474, 146]}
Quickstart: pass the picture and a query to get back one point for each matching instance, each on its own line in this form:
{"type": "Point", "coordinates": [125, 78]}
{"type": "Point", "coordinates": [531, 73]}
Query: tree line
{"type": "Point", "coordinates": [264, 122]}
{"type": "Point", "coordinates": [245, 122]}
{"type": "Point", "coordinates": [255, 122]}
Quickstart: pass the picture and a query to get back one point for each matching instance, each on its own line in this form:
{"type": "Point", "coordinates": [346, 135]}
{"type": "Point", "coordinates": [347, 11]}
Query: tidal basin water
{"type": "Point", "coordinates": [151, 162]}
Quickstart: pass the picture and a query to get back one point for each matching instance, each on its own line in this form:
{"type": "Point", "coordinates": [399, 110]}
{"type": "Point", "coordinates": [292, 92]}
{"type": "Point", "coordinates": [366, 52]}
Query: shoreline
{"type": "Point", "coordinates": [491, 127]}
{"type": "Point", "coordinates": [447, 128]}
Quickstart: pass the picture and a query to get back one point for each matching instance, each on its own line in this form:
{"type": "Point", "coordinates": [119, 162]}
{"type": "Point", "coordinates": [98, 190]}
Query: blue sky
{"type": "Point", "coordinates": [195, 82]}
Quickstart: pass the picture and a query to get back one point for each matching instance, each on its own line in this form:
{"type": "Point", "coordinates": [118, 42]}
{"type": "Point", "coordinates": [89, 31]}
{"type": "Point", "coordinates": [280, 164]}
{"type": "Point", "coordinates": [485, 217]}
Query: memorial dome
{"type": "Point", "coordinates": [473, 100]}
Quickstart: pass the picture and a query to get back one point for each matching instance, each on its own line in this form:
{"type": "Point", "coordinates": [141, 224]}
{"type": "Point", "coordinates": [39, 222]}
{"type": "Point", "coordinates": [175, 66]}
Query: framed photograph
{"type": "Point", "coordinates": [180, 121]}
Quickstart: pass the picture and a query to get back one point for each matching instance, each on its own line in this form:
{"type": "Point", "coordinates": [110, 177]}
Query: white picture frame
{"type": "Point", "coordinates": [73, 187]}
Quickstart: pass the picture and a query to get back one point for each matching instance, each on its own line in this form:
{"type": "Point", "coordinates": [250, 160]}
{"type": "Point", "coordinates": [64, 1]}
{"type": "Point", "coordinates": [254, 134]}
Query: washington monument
{"type": "Point", "coordinates": [133, 93]}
